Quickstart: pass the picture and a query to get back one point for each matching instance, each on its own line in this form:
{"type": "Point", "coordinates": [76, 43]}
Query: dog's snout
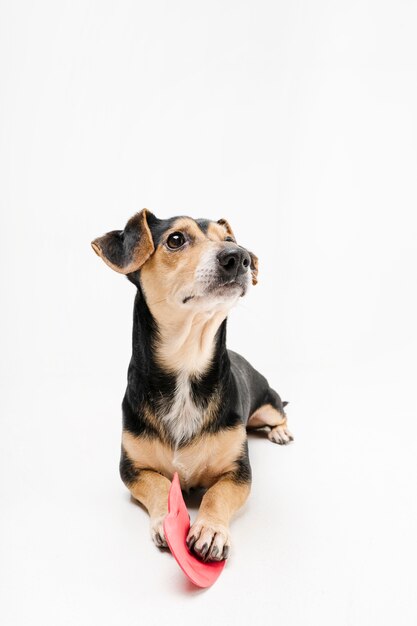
{"type": "Point", "coordinates": [233, 261]}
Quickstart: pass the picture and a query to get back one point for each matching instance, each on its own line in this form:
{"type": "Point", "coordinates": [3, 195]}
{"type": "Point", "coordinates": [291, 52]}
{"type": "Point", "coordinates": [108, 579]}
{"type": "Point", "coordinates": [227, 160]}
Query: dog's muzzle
{"type": "Point", "coordinates": [224, 274]}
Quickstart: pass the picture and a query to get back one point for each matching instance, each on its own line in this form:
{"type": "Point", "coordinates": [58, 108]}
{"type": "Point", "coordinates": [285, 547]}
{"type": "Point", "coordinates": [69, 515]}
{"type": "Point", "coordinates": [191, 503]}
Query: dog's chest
{"type": "Point", "coordinates": [198, 464]}
{"type": "Point", "coordinates": [182, 418]}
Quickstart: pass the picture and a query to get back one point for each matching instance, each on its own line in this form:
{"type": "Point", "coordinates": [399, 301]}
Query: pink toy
{"type": "Point", "coordinates": [176, 527]}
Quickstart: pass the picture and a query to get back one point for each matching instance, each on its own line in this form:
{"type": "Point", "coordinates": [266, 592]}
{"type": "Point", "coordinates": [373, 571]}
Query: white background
{"type": "Point", "coordinates": [297, 122]}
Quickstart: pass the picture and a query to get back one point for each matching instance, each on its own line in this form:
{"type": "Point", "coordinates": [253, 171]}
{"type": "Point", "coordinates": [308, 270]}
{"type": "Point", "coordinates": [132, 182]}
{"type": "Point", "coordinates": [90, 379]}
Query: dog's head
{"type": "Point", "coordinates": [181, 262]}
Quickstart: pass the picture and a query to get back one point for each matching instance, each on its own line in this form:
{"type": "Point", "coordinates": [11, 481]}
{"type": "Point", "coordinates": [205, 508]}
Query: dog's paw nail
{"type": "Point", "coordinates": [192, 537]}
{"type": "Point", "coordinates": [204, 550]}
{"type": "Point", "coordinates": [211, 540]}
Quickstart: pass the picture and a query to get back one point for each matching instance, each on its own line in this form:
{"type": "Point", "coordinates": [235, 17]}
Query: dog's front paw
{"type": "Point", "coordinates": [281, 435]}
{"type": "Point", "coordinates": [209, 541]}
{"type": "Point", "coordinates": [157, 532]}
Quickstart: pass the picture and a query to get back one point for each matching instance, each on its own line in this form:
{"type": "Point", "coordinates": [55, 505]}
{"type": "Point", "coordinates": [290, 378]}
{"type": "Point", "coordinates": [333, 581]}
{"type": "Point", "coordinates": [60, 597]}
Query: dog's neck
{"type": "Point", "coordinates": [186, 341]}
{"type": "Point", "coordinates": [191, 344]}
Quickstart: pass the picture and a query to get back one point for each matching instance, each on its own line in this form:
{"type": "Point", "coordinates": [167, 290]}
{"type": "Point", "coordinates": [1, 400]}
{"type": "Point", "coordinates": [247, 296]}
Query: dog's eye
{"type": "Point", "coordinates": [229, 239]}
{"type": "Point", "coordinates": [175, 240]}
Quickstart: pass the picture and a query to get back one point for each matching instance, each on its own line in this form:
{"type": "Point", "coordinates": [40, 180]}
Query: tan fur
{"type": "Point", "coordinates": [151, 489]}
{"type": "Point", "coordinates": [198, 464]}
{"type": "Point", "coordinates": [142, 252]}
{"type": "Point", "coordinates": [266, 415]}
{"type": "Point", "coordinates": [187, 340]}
{"type": "Point", "coordinates": [222, 500]}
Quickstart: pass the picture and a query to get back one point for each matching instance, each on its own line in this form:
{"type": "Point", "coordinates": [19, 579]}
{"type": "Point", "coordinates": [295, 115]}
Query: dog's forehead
{"type": "Point", "coordinates": [213, 230]}
{"type": "Point", "coordinates": [198, 228]}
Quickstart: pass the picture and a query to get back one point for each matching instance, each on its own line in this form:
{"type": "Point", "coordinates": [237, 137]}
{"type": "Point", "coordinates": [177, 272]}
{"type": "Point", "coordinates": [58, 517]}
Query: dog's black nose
{"type": "Point", "coordinates": [233, 261]}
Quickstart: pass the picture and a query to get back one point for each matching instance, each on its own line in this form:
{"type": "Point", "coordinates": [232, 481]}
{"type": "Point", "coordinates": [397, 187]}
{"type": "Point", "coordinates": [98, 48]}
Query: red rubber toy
{"type": "Point", "coordinates": [176, 527]}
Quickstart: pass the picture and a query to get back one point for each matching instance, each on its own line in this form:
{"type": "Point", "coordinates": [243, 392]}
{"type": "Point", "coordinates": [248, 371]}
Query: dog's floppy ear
{"type": "Point", "coordinates": [254, 267]}
{"type": "Point", "coordinates": [226, 225]}
{"type": "Point", "coordinates": [125, 251]}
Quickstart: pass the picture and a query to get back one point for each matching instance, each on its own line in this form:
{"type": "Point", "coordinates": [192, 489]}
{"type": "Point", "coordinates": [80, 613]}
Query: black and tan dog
{"type": "Point", "coordinates": [188, 400]}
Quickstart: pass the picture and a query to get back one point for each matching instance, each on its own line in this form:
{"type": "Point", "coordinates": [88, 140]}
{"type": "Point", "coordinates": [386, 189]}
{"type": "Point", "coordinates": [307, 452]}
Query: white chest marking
{"type": "Point", "coordinates": [184, 418]}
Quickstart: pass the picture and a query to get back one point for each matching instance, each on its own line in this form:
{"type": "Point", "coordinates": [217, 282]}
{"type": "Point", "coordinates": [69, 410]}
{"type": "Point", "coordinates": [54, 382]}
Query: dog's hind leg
{"type": "Point", "coordinates": [271, 413]}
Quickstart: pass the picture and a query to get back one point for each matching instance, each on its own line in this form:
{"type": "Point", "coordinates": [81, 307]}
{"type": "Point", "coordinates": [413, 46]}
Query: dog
{"type": "Point", "coordinates": [189, 401]}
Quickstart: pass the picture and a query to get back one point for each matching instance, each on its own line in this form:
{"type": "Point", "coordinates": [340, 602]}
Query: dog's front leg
{"type": "Point", "coordinates": [209, 535]}
{"type": "Point", "coordinates": [150, 489]}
